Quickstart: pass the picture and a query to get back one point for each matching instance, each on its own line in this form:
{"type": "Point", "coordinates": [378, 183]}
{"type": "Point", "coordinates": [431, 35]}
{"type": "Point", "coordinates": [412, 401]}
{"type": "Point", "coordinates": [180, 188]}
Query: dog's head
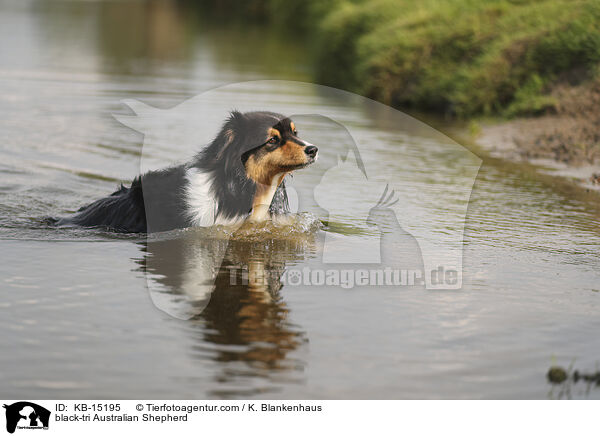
{"type": "Point", "coordinates": [268, 144]}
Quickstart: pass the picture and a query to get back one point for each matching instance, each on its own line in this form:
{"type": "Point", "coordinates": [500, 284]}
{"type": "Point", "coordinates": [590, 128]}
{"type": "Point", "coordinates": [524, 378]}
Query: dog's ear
{"type": "Point", "coordinates": [228, 135]}
{"type": "Point", "coordinates": [236, 121]}
{"type": "Point", "coordinates": [236, 115]}
{"type": "Point", "coordinates": [230, 131]}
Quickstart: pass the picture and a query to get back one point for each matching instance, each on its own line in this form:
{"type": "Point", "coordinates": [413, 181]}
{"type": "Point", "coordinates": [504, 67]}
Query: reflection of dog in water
{"type": "Point", "coordinates": [230, 289]}
{"type": "Point", "coordinates": [239, 175]}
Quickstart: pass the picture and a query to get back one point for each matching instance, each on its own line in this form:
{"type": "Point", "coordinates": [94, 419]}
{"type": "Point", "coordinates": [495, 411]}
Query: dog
{"type": "Point", "coordinates": [239, 176]}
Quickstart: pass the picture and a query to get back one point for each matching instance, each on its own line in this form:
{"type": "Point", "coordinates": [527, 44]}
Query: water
{"type": "Point", "coordinates": [81, 309]}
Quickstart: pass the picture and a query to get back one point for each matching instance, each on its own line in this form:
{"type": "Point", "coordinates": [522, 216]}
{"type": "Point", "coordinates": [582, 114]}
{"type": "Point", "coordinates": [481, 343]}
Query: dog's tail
{"type": "Point", "coordinates": [51, 222]}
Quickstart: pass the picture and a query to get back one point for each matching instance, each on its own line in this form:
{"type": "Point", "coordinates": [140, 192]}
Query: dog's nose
{"type": "Point", "coordinates": [311, 150]}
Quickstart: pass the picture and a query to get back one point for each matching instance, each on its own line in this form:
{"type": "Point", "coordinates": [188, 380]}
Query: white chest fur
{"type": "Point", "coordinates": [201, 206]}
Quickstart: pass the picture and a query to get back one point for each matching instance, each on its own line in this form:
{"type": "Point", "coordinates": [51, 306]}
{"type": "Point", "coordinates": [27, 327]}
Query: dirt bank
{"type": "Point", "coordinates": [567, 138]}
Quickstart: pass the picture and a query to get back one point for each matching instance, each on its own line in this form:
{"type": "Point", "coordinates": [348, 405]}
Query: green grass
{"type": "Point", "coordinates": [463, 57]}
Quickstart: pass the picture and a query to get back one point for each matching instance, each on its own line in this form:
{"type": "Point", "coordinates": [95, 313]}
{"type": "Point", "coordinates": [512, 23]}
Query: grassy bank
{"type": "Point", "coordinates": [462, 57]}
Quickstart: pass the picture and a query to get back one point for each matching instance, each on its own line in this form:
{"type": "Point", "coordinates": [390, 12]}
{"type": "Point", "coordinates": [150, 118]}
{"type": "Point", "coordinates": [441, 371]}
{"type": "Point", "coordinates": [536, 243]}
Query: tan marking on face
{"type": "Point", "coordinates": [263, 167]}
{"type": "Point", "coordinates": [293, 126]}
{"type": "Point", "coordinates": [291, 154]}
{"type": "Point", "coordinates": [268, 169]}
{"type": "Point", "coordinates": [256, 171]}
{"type": "Point", "coordinates": [274, 132]}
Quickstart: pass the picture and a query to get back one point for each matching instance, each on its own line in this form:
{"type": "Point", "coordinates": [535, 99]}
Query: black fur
{"type": "Point", "coordinates": [233, 190]}
{"type": "Point", "coordinates": [155, 201]}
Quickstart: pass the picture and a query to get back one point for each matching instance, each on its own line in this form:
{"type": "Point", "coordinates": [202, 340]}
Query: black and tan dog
{"type": "Point", "coordinates": [238, 176]}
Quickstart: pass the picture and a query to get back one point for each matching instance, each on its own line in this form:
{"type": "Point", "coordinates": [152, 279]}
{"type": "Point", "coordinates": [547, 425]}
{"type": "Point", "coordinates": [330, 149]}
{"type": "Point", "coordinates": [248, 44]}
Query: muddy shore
{"type": "Point", "coordinates": [565, 139]}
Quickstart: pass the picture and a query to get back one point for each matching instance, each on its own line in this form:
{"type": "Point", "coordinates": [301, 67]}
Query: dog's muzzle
{"type": "Point", "coordinates": [311, 151]}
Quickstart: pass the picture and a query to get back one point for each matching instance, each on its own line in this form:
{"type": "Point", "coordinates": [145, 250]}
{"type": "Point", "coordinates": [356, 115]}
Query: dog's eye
{"type": "Point", "coordinates": [273, 140]}
{"type": "Point", "coordinates": [295, 132]}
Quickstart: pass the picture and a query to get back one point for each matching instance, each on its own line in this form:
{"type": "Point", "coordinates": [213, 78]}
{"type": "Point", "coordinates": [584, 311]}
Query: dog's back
{"type": "Point", "coordinates": [125, 209]}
